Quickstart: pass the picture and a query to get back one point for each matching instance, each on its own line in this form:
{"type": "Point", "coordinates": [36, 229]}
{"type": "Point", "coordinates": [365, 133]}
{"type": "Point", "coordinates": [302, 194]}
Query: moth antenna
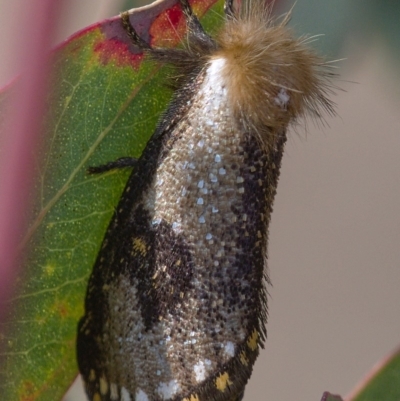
{"type": "Point", "coordinates": [187, 10]}
{"type": "Point", "coordinates": [193, 24]}
{"type": "Point", "coordinates": [229, 9]}
{"type": "Point", "coordinates": [131, 32]}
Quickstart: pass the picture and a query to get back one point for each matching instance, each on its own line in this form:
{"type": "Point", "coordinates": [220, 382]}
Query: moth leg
{"type": "Point", "coordinates": [228, 8]}
{"type": "Point", "coordinates": [133, 35]}
{"type": "Point", "coordinates": [122, 162]}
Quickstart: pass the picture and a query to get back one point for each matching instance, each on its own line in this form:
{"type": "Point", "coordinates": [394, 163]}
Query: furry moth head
{"type": "Point", "coordinates": [272, 78]}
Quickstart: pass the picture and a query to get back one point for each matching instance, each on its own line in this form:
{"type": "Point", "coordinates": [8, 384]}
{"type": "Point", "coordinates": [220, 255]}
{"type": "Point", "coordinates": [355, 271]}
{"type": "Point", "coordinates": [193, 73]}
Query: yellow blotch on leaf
{"type": "Point", "coordinates": [49, 269]}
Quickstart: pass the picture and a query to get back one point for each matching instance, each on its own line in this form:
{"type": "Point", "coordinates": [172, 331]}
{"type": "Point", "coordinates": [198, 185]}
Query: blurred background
{"type": "Point", "coordinates": [334, 252]}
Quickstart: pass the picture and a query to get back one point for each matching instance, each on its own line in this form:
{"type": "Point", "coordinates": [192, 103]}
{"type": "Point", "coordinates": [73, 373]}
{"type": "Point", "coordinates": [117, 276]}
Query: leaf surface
{"type": "Point", "coordinates": [104, 104]}
{"type": "Point", "coordinates": [383, 383]}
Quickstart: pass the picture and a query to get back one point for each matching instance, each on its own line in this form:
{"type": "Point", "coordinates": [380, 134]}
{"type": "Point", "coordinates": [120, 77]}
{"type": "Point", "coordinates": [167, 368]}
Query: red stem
{"type": "Point", "coordinates": [21, 138]}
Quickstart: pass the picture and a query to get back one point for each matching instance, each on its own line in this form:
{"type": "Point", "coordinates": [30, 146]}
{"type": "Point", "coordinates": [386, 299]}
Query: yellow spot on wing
{"type": "Point", "coordinates": [243, 358]}
{"type": "Point", "coordinates": [252, 341]}
{"type": "Point", "coordinates": [222, 381]}
{"type": "Point", "coordinates": [96, 397]}
{"type": "Point", "coordinates": [193, 397]}
{"type": "Point", "coordinates": [103, 385]}
{"type": "Point", "coordinates": [139, 246]}
{"type": "Point", "coordinates": [92, 375]}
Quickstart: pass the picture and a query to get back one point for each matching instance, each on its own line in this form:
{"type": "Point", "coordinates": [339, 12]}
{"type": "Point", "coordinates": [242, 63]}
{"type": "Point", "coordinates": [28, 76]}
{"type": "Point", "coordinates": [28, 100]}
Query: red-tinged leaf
{"type": "Point", "coordinates": [105, 101]}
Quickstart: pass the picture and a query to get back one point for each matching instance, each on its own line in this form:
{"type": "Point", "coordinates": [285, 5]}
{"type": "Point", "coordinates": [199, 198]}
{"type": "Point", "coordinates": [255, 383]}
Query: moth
{"type": "Point", "coordinates": [176, 305]}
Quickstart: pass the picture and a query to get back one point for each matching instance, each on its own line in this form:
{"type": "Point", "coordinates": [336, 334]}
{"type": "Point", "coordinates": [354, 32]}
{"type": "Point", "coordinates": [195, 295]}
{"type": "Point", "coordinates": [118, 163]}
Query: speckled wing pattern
{"type": "Point", "coordinates": [176, 305]}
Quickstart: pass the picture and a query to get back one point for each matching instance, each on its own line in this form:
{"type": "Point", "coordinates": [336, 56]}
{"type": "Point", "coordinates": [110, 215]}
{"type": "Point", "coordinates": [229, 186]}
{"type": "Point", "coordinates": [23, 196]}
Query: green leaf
{"type": "Point", "coordinates": [382, 384]}
{"type": "Point", "coordinates": [104, 104]}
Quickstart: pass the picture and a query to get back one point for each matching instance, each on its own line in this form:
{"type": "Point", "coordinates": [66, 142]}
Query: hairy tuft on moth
{"type": "Point", "coordinates": [272, 78]}
{"type": "Point", "coordinates": [176, 305]}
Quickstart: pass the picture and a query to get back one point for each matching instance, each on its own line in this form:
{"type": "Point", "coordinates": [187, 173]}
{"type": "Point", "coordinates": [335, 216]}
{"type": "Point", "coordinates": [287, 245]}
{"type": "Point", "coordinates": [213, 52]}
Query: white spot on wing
{"type": "Point", "coordinates": [156, 222]}
{"type": "Point", "coordinates": [213, 177]}
{"type": "Point", "coordinates": [140, 395]}
{"type": "Point", "coordinates": [125, 396]}
{"type": "Point", "coordinates": [199, 371]}
{"type": "Point", "coordinates": [113, 392]}
{"type": "Point", "coordinates": [229, 348]}
{"type": "Point", "coordinates": [168, 390]}
{"type": "Point", "coordinates": [176, 226]}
